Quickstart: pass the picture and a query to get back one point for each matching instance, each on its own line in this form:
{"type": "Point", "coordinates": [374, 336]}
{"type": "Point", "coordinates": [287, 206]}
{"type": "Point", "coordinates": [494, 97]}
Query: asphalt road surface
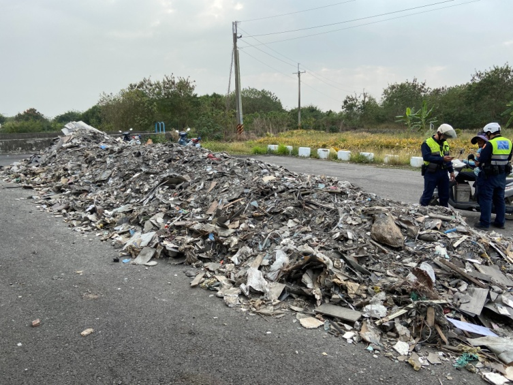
{"type": "Point", "coordinates": [149, 326]}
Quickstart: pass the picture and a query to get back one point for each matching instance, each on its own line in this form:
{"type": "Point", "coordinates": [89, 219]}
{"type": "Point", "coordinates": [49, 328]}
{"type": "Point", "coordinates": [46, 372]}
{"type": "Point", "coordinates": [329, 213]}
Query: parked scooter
{"type": "Point", "coordinates": [463, 194]}
{"type": "Point", "coordinates": [184, 141]}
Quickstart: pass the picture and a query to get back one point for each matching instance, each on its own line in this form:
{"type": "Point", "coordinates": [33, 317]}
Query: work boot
{"type": "Point", "coordinates": [498, 225]}
{"type": "Point", "coordinates": [480, 226]}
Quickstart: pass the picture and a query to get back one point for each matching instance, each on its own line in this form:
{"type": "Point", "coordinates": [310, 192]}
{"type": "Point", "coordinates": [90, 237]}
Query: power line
{"type": "Point", "coordinates": [360, 25]}
{"type": "Point", "coordinates": [311, 72]}
{"type": "Point", "coordinates": [365, 24]}
{"type": "Point", "coordinates": [293, 13]}
{"type": "Point", "coordinates": [277, 58]}
{"type": "Point", "coordinates": [277, 70]}
{"type": "Point", "coordinates": [244, 52]}
{"type": "Point", "coordinates": [353, 20]}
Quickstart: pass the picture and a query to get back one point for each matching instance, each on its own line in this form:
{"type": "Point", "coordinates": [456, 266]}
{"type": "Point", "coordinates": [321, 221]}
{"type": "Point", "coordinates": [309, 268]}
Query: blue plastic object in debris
{"type": "Point", "coordinates": [126, 260]}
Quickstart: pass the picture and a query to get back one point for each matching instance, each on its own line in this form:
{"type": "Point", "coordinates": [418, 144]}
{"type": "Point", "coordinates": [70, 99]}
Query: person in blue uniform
{"type": "Point", "coordinates": [494, 162]}
{"type": "Point", "coordinates": [437, 169]}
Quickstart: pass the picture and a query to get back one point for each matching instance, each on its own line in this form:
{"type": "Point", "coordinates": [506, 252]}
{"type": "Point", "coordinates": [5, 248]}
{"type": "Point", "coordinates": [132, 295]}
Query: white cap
{"type": "Point", "coordinates": [447, 130]}
{"type": "Point", "coordinates": [492, 128]}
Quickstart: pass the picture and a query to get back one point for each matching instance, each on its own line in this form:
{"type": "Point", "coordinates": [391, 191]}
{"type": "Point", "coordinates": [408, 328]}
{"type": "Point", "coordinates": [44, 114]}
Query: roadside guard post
{"type": "Point", "coordinates": [160, 128]}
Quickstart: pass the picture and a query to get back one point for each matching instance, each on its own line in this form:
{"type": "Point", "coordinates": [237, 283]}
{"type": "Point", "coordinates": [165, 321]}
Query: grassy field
{"type": "Point", "coordinates": [402, 144]}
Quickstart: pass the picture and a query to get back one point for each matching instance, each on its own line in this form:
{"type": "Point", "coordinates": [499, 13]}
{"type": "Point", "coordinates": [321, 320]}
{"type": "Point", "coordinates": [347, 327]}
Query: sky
{"type": "Point", "coordinates": [61, 55]}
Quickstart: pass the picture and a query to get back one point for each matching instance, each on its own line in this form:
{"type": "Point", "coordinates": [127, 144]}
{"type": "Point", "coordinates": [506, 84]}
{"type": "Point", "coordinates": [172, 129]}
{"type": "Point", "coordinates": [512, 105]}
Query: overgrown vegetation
{"type": "Point", "coordinates": [488, 96]}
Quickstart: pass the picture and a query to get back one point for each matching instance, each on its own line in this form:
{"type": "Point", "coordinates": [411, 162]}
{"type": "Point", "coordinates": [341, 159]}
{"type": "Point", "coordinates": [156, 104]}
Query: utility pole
{"type": "Point", "coordinates": [238, 98]}
{"type": "Point", "coordinates": [299, 95]}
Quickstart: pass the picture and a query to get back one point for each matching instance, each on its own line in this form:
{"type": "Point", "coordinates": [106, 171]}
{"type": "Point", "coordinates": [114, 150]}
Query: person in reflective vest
{"type": "Point", "coordinates": [437, 168]}
{"type": "Point", "coordinates": [494, 162]}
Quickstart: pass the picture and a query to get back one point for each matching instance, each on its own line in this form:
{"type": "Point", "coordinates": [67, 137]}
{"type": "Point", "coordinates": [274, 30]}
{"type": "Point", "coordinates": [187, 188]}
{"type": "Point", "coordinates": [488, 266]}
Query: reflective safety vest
{"type": "Point", "coordinates": [501, 148]}
{"type": "Point", "coordinates": [436, 149]}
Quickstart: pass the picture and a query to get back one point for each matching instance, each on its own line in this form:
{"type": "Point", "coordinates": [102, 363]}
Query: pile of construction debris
{"type": "Point", "coordinates": [399, 277]}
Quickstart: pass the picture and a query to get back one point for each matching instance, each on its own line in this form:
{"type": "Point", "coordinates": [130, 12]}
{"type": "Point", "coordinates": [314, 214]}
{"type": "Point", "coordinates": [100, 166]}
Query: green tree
{"type": "Point", "coordinates": [489, 91]}
{"type": "Point", "coordinates": [30, 120]}
{"type": "Point", "coordinates": [261, 101]}
{"type": "Point", "coordinates": [509, 112]}
{"type": "Point", "coordinates": [396, 97]}
{"type": "Point", "coordinates": [93, 117]}
{"type": "Point", "coordinates": [70, 116]}
{"type": "Point", "coordinates": [361, 110]}
{"type": "Point", "coordinates": [174, 99]}
{"type": "Point", "coordinates": [3, 119]}
{"type": "Point", "coordinates": [130, 108]}
{"type": "Point", "coordinates": [31, 115]}
{"type": "Point", "coordinates": [213, 121]}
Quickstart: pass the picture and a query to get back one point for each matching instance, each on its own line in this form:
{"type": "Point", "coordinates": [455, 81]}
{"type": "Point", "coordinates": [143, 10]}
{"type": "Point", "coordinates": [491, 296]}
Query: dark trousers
{"type": "Point", "coordinates": [491, 192]}
{"type": "Point", "coordinates": [440, 179]}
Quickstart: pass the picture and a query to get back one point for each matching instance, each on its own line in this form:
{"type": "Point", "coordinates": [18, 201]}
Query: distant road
{"type": "Point", "coordinates": [9, 159]}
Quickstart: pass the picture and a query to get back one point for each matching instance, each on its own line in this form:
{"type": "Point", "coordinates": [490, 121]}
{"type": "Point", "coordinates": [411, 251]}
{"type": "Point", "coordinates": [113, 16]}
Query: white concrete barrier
{"type": "Point", "coordinates": [344, 155]}
{"type": "Point", "coordinates": [391, 158]}
{"type": "Point", "coordinates": [416, 161]}
{"type": "Point", "coordinates": [304, 151]}
{"type": "Point", "coordinates": [272, 147]}
{"type": "Point", "coordinates": [323, 153]}
{"type": "Point", "coordinates": [368, 155]}
{"type": "Point", "coordinates": [290, 148]}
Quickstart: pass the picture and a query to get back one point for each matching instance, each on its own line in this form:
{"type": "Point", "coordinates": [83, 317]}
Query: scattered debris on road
{"type": "Point", "coordinates": [86, 332]}
{"type": "Point", "coordinates": [415, 283]}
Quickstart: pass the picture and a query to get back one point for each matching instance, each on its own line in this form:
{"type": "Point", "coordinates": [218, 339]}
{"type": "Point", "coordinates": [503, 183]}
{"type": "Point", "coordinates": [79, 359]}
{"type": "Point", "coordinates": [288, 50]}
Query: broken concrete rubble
{"type": "Point", "coordinates": [271, 241]}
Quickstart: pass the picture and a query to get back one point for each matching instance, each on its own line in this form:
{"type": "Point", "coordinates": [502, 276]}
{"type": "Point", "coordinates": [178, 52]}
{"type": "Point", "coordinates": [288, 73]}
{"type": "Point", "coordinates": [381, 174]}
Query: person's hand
{"type": "Point", "coordinates": [448, 158]}
{"type": "Point", "coordinates": [451, 177]}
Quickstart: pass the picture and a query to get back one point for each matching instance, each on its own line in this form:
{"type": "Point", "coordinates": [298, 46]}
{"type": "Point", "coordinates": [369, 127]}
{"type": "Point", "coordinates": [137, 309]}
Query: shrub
{"type": "Point", "coordinates": [259, 150]}
{"type": "Point", "coordinates": [282, 150]}
{"type": "Point", "coordinates": [359, 158]}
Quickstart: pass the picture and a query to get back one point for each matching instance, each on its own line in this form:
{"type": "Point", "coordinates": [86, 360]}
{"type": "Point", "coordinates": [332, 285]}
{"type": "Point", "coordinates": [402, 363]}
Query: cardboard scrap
{"type": "Point", "coordinates": [310, 323]}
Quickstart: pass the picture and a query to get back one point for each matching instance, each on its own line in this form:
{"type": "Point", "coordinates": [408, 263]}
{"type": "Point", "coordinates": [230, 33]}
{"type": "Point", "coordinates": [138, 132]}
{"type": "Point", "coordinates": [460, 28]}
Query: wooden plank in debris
{"type": "Point", "coordinates": [406, 309]}
{"type": "Point", "coordinates": [460, 241]}
{"type": "Point", "coordinates": [231, 203]}
{"type": "Point", "coordinates": [430, 317]}
{"type": "Point", "coordinates": [495, 274]}
{"type": "Point", "coordinates": [442, 217]}
{"type": "Point", "coordinates": [478, 299]}
{"type": "Point", "coordinates": [481, 276]}
{"type": "Point", "coordinates": [212, 185]}
{"type": "Point", "coordinates": [460, 272]}
{"type": "Point", "coordinates": [257, 261]}
{"type": "Point", "coordinates": [507, 256]}
{"type": "Point", "coordinates": [339, 312]}
{"type": "Point", "coordinates": [212, 209]}
{"type": "Point", "coordinates": [441, 334]}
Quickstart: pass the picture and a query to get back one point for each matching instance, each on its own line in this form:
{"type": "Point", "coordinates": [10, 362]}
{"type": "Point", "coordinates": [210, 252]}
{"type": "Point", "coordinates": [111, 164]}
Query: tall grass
{"type": "Point", "coordinates": [402, 143]}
